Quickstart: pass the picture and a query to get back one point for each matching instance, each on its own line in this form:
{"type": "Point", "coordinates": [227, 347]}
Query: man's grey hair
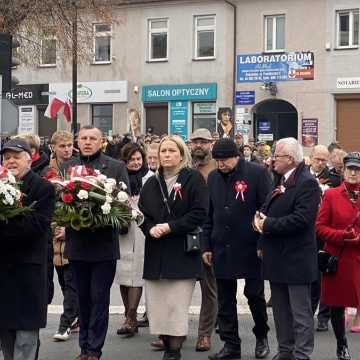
{"type": "Point", "coordinates": [292, 148]}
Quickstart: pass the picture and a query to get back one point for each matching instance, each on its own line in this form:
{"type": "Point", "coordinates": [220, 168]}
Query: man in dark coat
{"type": "Point", "coordinates": [237, 190]}
{"type": "Point", "coordinates": [93, 254]}
{"type": "Point", "coordinates": [289, 250]}
{"type": "Point", "coordinates": [23, 258]}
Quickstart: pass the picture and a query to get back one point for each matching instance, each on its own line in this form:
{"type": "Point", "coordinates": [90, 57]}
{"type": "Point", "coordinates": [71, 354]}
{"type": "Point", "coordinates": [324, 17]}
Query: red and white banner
{"type": "Point", "coordinates": [57, 106]}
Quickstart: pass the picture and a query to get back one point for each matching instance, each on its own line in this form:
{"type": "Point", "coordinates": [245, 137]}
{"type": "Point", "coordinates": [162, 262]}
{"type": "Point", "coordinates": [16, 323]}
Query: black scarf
{"type": "Point", "coordinates": [135, 178]}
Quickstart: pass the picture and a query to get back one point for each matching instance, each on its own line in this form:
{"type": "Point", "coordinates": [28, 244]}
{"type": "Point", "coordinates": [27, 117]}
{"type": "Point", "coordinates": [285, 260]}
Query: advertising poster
{"type": "Point", "coordinates": [292, 66]}
{"type": "Point", "coordinates": [309, 132]}
{"type": "Point", "coordinates": [179, 118]}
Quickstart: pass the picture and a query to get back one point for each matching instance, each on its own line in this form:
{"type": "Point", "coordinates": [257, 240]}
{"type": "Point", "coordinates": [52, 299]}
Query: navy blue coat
{"type": "Point", "coordinates": [288, 240]}
{"type": "Point", "coordinates": [228, 232]}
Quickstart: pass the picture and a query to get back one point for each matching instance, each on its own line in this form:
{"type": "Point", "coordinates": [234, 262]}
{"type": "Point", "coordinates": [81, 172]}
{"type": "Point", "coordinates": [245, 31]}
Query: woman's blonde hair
{"type": "Point", "coordinates": [184, 150]}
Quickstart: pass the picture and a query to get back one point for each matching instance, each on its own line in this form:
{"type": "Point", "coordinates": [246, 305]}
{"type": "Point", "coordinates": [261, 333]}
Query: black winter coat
{"type": "Point", "coordinates": [165, 258]}
{"type": "Point", "coordinates": [100, 244]}
{"type": "Point", "coordinates": [288, 240]}
{"type": "Point", "coordinates": [228, 233]}
{"type": "Point", "coordinates": [23, 259]}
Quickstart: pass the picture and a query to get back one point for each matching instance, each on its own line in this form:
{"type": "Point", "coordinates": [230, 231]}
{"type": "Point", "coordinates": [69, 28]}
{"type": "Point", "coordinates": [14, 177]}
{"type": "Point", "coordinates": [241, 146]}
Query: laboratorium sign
{"type": "Point", "coordinates": [263, 67]}
{"type": "Point", "coordinates": [184, 92]}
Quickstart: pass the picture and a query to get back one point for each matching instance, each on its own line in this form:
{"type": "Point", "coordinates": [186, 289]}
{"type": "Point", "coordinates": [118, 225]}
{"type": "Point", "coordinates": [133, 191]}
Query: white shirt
{"type": "Point", "coordinates": [287, 175]}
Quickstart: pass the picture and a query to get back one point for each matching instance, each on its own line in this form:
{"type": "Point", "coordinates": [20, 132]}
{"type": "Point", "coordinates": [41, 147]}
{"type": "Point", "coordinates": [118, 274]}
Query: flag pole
{"type": "Point", "coordinates": [74, 69]}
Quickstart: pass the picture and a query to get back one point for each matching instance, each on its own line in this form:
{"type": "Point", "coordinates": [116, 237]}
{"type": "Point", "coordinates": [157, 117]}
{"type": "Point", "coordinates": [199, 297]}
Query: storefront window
{"type": "Point", "coordinates": [102, 117]}
{"type": "Point", "coordinates": [204, 116]}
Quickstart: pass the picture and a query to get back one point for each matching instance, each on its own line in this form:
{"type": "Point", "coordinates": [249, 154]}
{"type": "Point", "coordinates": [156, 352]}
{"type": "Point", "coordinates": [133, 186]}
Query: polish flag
{"type": "Point", "coordinates": [58, 106]}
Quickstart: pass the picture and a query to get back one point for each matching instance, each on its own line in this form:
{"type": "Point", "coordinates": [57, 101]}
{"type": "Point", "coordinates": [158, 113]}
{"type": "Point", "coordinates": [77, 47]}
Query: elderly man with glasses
{"type": "Point", "coordinates": [288, 249]}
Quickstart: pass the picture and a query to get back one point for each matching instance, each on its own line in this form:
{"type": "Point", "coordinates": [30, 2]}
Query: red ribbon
{"type": "Point", "coordinates": [240, 188]}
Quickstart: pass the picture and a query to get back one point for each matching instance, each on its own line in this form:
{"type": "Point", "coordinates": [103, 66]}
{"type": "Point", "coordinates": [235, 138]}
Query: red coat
{"type": "Point", "coordinates": [336, 213]}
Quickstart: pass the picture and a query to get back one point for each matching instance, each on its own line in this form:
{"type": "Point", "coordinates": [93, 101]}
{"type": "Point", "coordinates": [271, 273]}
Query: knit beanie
{"type": "Point", "coordinates": [224, 148]}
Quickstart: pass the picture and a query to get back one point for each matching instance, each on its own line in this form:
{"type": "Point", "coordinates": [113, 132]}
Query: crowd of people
{"type": "Point", "coordinates": [215, 210]}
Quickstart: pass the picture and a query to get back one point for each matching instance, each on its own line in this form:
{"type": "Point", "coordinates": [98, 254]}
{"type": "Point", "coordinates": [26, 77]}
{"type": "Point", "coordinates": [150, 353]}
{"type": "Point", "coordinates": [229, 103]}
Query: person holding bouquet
{"type": "Point", "coordinates": [23, 256]}
{"type": "Point", "coordinates": [174, 204]}
{"type": "Point", "coordinates": [92, 253]}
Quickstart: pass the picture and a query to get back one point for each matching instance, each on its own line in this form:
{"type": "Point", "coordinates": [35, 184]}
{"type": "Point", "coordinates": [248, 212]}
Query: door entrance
{"type": "Point", "coordinates": [275, 119]}
{"type": "Point", "coordinates": [157, 118]}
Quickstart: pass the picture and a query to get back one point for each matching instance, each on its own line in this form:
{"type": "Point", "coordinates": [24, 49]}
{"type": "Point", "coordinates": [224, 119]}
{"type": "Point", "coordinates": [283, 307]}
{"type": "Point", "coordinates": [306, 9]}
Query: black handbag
{"type": "Point", "coordinates": [192, 238]}
{"type": "Point", "coordinates": [327, 262]}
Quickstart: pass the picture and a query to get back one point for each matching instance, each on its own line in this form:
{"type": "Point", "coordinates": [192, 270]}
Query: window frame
{"type": "Point", "coordinates": [274, 38]}
{"type": "Point", "coordinates": [158, 31]}
{"type": "Point", "coordinates": [204, 28]}
{"type": "Point", "coordinates": [350, 13]}
{"type": "Point", "coordinates": [97, 116]}
{"type": "Point", "coordinates": [48, 38]}
{"type": "Point", "coordinates": [99, 35]}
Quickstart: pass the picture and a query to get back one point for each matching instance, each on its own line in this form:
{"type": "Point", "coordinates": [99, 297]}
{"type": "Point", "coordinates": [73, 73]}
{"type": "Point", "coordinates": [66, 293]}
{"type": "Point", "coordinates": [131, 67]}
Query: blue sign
{"type": "Point", "coordinates": [264, 125]}
{"type": "Point", "coordinates": [179, 118]}
{"type": "Point", "coordinates": [263, 67]}
{"type": "Point", "coordinates": [185, 92]}
{"type": "Point", "coordinates": [245, 97]}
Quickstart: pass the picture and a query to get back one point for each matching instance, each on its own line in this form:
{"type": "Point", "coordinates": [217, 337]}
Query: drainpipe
{"type": "Point", "coordinates": [234, 57]}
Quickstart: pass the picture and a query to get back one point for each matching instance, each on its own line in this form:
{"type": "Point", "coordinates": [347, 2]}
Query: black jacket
{"type": "Point", "coordinates": [165, 258]}
{"type": "Point", "coordinates": [288, 240]}
{"type": "Point", "coordinates": [23, 259]}
{"type": "Point", "coordinates": [39, 165]}
{"type": "Point", "coordinates": [228, 232]}
{"type": "Point", "coordinates": [100, 244]}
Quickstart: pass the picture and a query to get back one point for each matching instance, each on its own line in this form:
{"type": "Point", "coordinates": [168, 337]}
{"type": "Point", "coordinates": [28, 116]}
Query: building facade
{"type": "Point", "coordinates": [285, 68]}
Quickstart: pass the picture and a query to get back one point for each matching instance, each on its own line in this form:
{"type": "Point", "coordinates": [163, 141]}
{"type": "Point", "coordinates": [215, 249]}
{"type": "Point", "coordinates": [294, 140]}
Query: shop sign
{"type": "Point", "coordinates": [179, 118]}
{"type": "Point", "coordinates": [37, 94]}
{"type": "Point", "coordinates": [26, 119]}
{"type": "Point", "coordinates": [262, 67]}
{"type": "Point", "coordinates": [348, 83]}
{"type": "Point", "coordinates": [266, 137]}
{"type": "Point", "coordinates": [186, 92]}
{"type": "Point", "coordinates": [205, 108]}
{"type": "Point", "coordinates": [245, 97]}
{"type": "Point", "coordinates": [309, 132]}
{"type": "Point", "coordinates": [92, 92]}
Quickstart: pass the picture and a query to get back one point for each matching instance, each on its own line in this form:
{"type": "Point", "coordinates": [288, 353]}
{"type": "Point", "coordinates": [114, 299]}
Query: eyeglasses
{"type": "Point", "coordinates": [320, 160]}
{"type": "Point", "coordinates": [279, 156]}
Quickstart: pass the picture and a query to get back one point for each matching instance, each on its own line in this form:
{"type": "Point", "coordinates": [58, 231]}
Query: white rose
{"type": "Point", "coordinates": [122, 196]}
{"type": "Point", "coordinates": [122, 185]}
{"type": "Point", "coordinates": [111, 181]}
{"type": "Point", "coordinates": [108, 199]}
{"type": "Point", "coordinates": [11, 178]}
{"type": "Point", "coordinates": [108, 188]}
{"type": "Point", "coordinates": [134, 214]}
{"type": "Point", "coordinates": [83, 195]}
{"type": "Point", "coordinates": [106, 208]}
{"type": "Point", "coordinates": [101, 177]}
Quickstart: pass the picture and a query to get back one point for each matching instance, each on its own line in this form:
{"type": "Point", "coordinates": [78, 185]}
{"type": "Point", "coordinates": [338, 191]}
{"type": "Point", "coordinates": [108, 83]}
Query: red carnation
{"type": "Point", "coordinates": [51, 174]}
{"type": "Point", "coordinates": [67, 198]}
{"type": "Point", "coordinates": [70, 186]}
{"type": "Point", "coordinates": [84, 185]}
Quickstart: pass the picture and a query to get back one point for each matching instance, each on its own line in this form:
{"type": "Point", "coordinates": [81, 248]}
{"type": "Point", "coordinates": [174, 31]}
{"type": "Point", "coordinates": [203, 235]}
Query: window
{"type": "Point", "coordinates": [158, 39]}
{"type": "Point", "coordinates": [347, 28]}
{"type": "Point", "coordinates": [205, 37]}
{"type": "Point", "coordinates": [204, 116]}
{"type": "Point", "coordinates": [102, 43]}
{"type": "Point", "coordinates": [48, 51]}
{"type": "Point", "coordinates": [275, 33]}
{"type": "Point", "coordinates": [102, 117]}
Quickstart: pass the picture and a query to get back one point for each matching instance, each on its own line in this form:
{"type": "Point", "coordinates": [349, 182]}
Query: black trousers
{"type": "Point", "coordinates": [70, 302]}
{"type": "Point", "coordinates": [338, 324]}
{"type": "Point", "coordinates": [93, 282]}
{"type": "Point", "coordinates": [227, 312]}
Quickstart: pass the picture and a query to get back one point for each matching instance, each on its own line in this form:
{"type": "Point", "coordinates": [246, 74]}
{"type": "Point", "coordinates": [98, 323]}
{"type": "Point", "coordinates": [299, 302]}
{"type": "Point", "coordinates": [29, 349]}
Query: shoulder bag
{"type": "Point", "coordinates": [192, 238]}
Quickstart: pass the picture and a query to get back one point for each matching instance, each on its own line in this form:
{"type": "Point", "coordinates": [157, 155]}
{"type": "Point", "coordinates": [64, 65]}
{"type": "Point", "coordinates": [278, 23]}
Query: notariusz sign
{"type": "Point", "coordinates": [185, 92]}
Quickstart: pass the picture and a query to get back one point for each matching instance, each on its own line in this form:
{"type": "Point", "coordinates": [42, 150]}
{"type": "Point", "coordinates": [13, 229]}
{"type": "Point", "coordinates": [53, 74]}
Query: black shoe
{"type": "Point", "coordinates": [172, 355]}
{"type": "Point", "coordinates": [343, 353]}
{"type": "Point", "coordinates": [226, 353]}
{"type": "Point", "coordinates": [322, 326]}
{"type": "Point", "coordinates": [284, 356]}
{"type": "Point", "coordinates": [262, 349]}
{"type": "Point", "coordinates": [143, 322]}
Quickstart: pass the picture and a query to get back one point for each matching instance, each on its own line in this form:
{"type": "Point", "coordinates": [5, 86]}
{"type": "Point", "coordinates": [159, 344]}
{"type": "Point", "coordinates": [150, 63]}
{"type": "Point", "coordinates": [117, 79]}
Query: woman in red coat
{"type": "Point", "coordinates": [338, 225]}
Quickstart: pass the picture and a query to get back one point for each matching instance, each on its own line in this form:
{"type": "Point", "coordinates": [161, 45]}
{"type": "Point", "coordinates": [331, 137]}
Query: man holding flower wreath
{"type": "Point", "coordinates": [93, 253]}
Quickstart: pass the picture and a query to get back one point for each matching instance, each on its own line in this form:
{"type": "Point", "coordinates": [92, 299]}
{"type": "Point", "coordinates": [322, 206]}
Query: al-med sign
{"type": "Point", "coordinates": [266, 67]}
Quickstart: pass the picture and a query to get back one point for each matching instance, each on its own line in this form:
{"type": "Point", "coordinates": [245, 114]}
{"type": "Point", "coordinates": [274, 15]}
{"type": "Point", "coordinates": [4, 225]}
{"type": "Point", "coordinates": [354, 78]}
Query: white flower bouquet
{"type": "Point", "coordinates": [10, 196]}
